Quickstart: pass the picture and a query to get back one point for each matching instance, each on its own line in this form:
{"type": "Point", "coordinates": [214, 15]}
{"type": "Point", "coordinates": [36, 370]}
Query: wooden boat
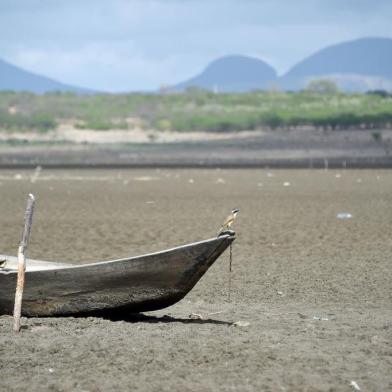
{"type": "Point", "coordinates": [136, 284]}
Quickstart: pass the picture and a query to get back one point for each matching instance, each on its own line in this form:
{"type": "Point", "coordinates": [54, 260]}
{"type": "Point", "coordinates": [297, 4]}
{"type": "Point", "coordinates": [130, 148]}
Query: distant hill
{"type": "Point", "coordinates": [17, 79]}
{"type": "Point", "coordinates": [232, 74]}
{"type": "Point", "coordinates": [358, 65]}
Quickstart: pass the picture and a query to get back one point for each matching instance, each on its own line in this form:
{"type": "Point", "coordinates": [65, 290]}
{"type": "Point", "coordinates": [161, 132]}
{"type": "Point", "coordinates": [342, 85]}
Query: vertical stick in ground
{"type": "Point", "coordinates": [22, 262]}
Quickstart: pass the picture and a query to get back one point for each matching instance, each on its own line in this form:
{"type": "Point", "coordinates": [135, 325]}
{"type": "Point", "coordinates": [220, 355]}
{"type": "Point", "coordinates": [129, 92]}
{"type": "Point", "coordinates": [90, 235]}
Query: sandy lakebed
{"type": "Point", "coordinates": [313, 292]}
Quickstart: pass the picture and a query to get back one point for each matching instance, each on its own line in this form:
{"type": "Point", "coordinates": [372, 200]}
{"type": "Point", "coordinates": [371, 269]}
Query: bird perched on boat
{"type": "Point", "coordinates": [229, 221]}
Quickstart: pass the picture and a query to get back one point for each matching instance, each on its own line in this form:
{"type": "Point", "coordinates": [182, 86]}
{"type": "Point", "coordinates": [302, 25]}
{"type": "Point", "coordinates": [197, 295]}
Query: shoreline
{"type": "Point", "coordinates": [317, 164]}
{"type": "Point", "coordinates": [304, 148]}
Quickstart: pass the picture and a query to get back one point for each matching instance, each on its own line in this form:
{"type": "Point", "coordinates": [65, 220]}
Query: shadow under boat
{"type": "Point", "coordinates": [115, 315]}
{"type": "Point", "coordinates": [137, 284]}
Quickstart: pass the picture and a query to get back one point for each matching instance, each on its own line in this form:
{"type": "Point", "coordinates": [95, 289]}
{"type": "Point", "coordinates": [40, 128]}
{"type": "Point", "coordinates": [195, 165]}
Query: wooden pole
{"type": "Point", "coordinates": [22, 262]}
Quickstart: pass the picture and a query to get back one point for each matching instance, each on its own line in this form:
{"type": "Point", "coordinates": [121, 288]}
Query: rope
{"type": "Point", "coordinates": [231, 256]}
{"type": "Point", "coordinates": [230, 268]}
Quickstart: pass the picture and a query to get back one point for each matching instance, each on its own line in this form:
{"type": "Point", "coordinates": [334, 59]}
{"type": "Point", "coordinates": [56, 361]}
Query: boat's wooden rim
{"type": "Point", "coordinates": [34, 265]}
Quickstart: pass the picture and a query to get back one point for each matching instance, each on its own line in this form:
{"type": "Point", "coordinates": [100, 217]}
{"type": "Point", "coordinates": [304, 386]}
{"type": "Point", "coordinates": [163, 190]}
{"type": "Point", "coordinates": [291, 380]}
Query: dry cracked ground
{"type": "Point", "coordinates": [312, 292]}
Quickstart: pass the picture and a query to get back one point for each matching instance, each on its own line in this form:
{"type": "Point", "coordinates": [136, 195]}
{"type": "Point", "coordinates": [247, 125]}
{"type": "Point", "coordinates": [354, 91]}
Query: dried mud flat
{"type": "Point", "coordinates": [314, 290]}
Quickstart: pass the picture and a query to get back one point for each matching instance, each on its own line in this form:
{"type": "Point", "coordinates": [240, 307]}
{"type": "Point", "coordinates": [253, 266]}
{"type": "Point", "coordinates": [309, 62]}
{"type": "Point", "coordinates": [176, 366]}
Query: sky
{"type": "Point", "coordinates": [134, 45]}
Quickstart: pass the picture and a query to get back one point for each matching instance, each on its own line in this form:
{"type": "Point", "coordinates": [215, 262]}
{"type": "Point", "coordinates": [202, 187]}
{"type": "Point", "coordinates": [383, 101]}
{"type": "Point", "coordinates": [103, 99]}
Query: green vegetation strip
{"type": "Point", "coordinates": [195, 110]}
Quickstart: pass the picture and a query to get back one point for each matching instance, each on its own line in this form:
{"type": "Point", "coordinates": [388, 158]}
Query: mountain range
{"type": "Point", "coordinates": [359, 65]}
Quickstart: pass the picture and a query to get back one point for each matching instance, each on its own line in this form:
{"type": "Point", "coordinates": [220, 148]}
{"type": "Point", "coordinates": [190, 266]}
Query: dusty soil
{"type": "Point", "coordinates": [66, 132]}
{"type": "Point", "coordinates": [315, 290]}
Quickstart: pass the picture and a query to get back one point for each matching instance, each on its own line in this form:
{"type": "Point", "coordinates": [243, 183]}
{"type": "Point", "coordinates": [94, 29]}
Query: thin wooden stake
{"type": "Point", "coordinates": [22, 262]}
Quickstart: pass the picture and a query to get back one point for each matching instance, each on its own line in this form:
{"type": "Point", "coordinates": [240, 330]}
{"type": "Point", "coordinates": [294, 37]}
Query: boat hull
{"type": "Point", "coordinates": [136, 284]}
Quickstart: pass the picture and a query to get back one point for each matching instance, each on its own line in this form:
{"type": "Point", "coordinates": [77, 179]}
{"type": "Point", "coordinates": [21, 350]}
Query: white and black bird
{"type": "Point", "coordinates": [229, 221]}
